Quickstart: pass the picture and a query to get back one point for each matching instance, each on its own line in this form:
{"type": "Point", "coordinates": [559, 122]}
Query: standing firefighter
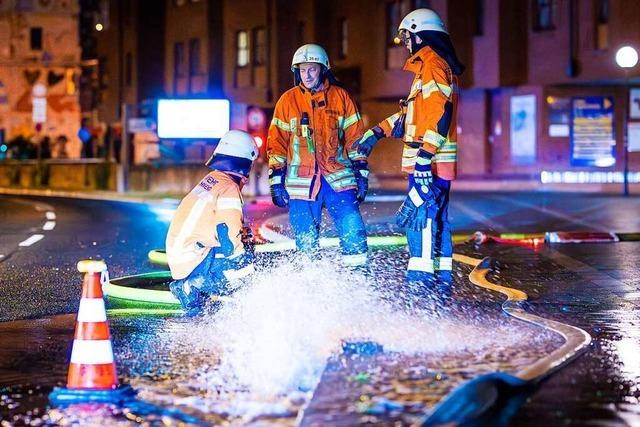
{"type": "Point", "coordinates": [313, 158]}
{"type": "Point", "coordinates": [208, 247]}
{"type": "Point", "coordinates": [426, 123]}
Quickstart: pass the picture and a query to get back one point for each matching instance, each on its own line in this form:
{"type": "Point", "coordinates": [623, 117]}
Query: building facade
{"type": "Point", "coordinates": [39, 73]}
{"type": "Point", "coordinates": [541, 93]}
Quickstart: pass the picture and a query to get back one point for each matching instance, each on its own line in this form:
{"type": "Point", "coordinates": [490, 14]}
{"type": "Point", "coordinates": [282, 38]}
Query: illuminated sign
{"type": "Point", "coordinates": [592, 139]}
{"type": "Point", "coordinates": [193, 118]}
{"type": "Point", "coordinates": [523, 129]}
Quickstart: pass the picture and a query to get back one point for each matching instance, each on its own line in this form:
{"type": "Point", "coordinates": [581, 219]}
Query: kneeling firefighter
{"type": "Point", "coordinates": [313, 162]}
{"type": "Point", "coordinates": [426, 123]}
{"type": "Point", "coordinates": [208, 247]}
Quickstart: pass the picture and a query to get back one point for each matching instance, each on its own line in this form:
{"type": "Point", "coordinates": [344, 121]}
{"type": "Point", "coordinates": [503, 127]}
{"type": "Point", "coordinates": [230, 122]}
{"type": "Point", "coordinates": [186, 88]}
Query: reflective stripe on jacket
{"type": "Point", "coordinates": [432, 101]}
{"type": "Point", "coordinates": [193, 231]}
{"type": "Point", "coordinates": [324, 147]}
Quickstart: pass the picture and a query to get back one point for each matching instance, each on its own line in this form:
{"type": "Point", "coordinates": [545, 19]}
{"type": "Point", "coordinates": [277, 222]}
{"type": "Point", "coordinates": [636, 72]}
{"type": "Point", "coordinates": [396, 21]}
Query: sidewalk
{"type": "Point", "coordinates": [385, 189]}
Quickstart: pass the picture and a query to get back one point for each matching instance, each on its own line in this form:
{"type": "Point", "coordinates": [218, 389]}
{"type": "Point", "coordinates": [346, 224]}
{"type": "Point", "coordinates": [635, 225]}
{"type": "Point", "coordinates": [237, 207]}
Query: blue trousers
{"type": "Point", "coordinates": [431, 249]}
{"type": "Point", "coordinates": [306, 217]}
{"type": "Point", "coordinates": [208, 277]}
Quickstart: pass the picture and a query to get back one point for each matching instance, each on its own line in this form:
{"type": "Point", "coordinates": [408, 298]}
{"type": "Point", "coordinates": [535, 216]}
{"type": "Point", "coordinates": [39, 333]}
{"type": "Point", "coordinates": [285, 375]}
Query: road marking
{"type": "Point", "coordinates": [31, 240]}
{"type": "Point", "coordinates": [49, 225]}
{"type": "Point", "coordinates": [551, 212]}
{"type": "Point", "coordinates": [475, 215]}
{"type": "Point", "coordinates": [51, 216]}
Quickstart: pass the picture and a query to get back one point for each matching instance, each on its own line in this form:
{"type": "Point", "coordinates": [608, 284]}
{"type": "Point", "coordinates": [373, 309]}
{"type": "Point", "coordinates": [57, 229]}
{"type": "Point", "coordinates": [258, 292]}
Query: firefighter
{"type": "Point", "coordinates": [426, 123]}
{"type": "Point", "coordinates": [313, 159]}
{"type": "Point", "coordinates": [208, 247]}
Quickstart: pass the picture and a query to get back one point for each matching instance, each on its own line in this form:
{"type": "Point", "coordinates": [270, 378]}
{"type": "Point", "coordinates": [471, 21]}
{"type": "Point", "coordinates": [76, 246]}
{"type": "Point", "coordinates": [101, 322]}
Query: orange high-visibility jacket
{"type": "Point", "coordinates": [193, 230]}
{"type": "Point", "coordinates": [434, 85]}
{"type": "Point", "coordinates": [323, 148]}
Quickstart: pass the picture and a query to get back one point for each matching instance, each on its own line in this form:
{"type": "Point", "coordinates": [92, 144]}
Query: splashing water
{"type": "Point", "coordinates": [277, 335]}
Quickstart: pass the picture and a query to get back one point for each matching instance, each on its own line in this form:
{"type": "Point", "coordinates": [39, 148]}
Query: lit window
{"type": "Point", "coordinates": [343, 38]}
{"type": "Point", "coordinates": [602, 25]}
{"type": "Point", "coordinates": [242, 49]}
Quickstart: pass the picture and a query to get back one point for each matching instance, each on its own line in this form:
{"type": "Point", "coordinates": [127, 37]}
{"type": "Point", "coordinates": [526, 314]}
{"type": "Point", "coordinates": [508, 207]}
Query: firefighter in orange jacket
{"type": "Point", "coordinates": [426, 123]}
{"type": "Point", "coordinates": [313, 159]}
{"type": "Point", "coordinates": [208, 247]}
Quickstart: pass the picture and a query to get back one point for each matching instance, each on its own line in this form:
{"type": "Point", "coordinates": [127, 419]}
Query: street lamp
{"type": "Point", "coordinates": [626, 58]}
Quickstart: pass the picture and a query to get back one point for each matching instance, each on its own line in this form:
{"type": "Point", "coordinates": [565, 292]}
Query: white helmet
{"type": "Point", "coordinates": [236, 143]}
{"type": "Point", "coordinates": [310, 53]}
{"type": "Point", "coordinates": [422, 20]}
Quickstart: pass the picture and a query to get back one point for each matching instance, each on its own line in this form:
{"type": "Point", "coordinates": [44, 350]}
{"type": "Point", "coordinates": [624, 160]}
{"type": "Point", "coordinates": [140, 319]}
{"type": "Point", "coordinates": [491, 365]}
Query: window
{"type": "Point", "coordinates": [178, 65]}
{"type": "Point", "coordinates": [418, 4]}
{"type": "Point", "coordinates": [36, 38]}
{"type": "Point", "coordinates": [602, 24]}
{"type": "Point", "coordinates": [479, 18]}
{"type": "Point", "coordinates": [301, 31]}
{"type": "Point", "coordinates": [128, 68]}
{"type": "Point", "coordinates": [242, 49]}
{"type": "Point", "coordinates": [178, 59]}
{"type": "Point", "coordinates": [343, 38]}
{"type": "Point", "coordinates": [194, 57]}
{"type": "Point", "coordinates": [543, 14]}
{"type": "Point", "coordinates": [259, 46]}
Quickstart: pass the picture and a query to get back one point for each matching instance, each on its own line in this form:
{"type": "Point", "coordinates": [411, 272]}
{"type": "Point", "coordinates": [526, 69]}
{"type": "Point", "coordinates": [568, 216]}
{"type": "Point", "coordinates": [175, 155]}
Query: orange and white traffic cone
{"type": "Point", "coordinates": [92, 370]}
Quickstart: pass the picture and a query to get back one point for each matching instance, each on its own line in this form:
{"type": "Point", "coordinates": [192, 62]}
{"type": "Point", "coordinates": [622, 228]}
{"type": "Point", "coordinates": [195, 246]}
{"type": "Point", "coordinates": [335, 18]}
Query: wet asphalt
{"type": "Point", "coordinates": [592, 286]}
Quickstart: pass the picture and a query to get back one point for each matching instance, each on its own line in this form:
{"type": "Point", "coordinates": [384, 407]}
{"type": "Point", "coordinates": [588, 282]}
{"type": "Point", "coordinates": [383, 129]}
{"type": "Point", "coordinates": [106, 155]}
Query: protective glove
{"type": "Point", "coordinates": [369, 139]}
{"type": "Point", "coordinates": [361, 171]}
{"type": "Point", "coordinates": [413, 212]}
{"type": "Point", "coordinates": [421, 181]}
{"type": "Point", "coordinates": [279, 194]}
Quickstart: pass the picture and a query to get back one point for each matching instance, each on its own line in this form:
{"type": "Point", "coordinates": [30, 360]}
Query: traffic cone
{"type": "Point", "coordinates": [92, 371]}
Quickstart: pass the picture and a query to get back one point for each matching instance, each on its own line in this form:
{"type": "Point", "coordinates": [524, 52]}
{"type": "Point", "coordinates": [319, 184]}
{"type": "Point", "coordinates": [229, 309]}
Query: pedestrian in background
{"type": "Point", "coordinates": [86, 139]}
{"type": "Point", "coordinates": [313, 162]}
{"type": "Point", "coordinates": [426, 123]}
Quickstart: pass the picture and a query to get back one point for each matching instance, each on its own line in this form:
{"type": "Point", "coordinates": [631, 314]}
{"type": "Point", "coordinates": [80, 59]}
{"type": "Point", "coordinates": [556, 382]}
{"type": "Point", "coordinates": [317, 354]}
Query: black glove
{"type": "Point", "coordinates": [361, 171]}
{"type": "Point", "coordinates": [279, 194]}
{"type": "Point", "coordinates": [369, 139]}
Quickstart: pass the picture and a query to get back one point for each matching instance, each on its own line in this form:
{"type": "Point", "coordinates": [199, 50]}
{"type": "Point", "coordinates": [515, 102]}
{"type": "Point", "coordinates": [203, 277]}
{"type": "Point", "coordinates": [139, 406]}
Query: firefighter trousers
{"type": "Point", "coordinates": [305, 217]}
{"type": "Point", "coordinates": [431, 249]}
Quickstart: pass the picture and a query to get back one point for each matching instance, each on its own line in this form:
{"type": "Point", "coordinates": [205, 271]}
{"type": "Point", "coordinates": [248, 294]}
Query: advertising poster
{"type": "Point", "coordinates": [634, 103]}
{"type": "Point", "coordinates": [593, 141]}
{"type": "Point", "coordinates": [523, 129]}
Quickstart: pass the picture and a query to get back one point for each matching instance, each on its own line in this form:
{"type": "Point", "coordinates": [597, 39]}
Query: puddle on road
{"type": "Point", "coordinates": [259, 359]}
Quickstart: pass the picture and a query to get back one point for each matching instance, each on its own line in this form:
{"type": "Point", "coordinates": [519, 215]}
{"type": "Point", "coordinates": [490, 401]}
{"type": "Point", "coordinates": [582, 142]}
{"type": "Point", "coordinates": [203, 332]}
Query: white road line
{"type": "Point", "coordinates": [31, 240]}
{"type": "Point", "coordinates": [51, 216]}
{"type": "Point", "coordinates": [551, 212]}
{"type": "Point", "coordinates": [475, 215]}
{"type": "Point", "coordinates": [49, 225]}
